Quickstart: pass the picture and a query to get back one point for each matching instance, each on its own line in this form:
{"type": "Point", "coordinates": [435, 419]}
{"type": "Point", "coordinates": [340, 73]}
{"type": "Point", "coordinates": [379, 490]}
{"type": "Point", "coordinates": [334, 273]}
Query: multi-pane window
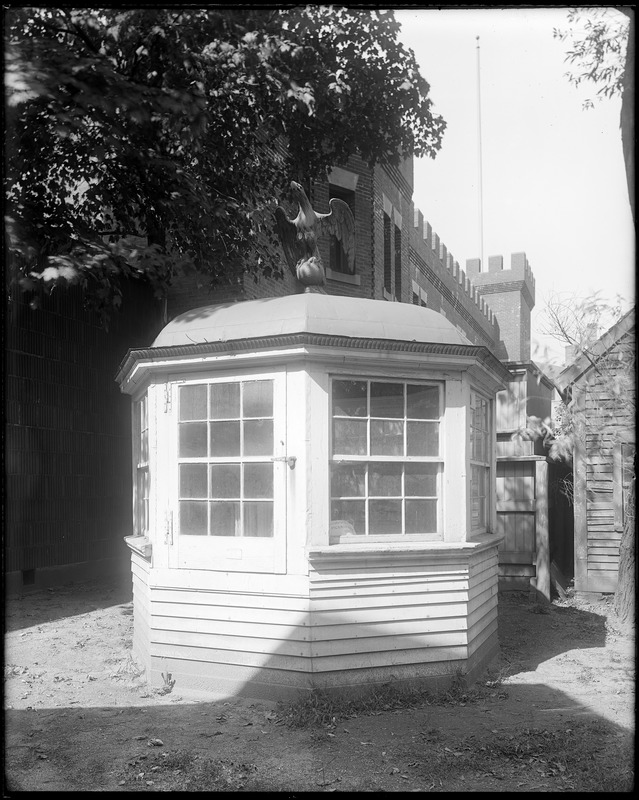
{"type": "Point", "coordinates": [225, 459]}
{"type": "Point", "coordinates": [398, 262]}
{"type": "Point", "coordinates": [386, 463]}
{"type": "Point", "coordinates": [141, 499]}
{"type": "Point", "coordinates": [388, 271]}
{"type": "Point", "coordinates": [338, 260]}
{"type": "Point", "coordinates": [480, 461]}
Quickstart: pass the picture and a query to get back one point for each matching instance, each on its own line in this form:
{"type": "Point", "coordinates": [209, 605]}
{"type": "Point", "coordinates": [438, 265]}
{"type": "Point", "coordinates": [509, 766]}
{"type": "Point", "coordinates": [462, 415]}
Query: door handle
{"type": "Point", "coordinates": [290, 460]}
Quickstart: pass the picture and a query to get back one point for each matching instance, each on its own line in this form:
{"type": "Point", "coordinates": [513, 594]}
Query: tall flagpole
{"type": "Point", "coordinates": [481, 187]}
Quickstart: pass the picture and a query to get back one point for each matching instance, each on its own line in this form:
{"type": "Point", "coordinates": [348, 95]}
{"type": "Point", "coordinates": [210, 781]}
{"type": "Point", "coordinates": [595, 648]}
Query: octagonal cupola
{"type": "Point", "coordinates": [295, 450]}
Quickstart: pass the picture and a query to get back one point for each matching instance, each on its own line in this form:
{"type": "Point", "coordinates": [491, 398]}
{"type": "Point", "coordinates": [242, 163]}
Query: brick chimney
{"type": "Point", "coordinates": [510, 294]}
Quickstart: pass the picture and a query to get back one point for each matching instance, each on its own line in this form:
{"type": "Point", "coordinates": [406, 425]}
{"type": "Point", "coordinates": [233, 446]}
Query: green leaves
{"type": "Point", "coordinates": [184, 126]}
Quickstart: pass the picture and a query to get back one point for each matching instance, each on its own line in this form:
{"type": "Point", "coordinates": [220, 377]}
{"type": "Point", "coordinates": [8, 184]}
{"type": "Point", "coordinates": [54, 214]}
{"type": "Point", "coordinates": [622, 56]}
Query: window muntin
{"type": "Point", "coordinates": [386, 464]}
{"type": "Point", "coordinates": [480, 461]}
{"type": "Point", "coordinates": [225, 459]}
{"type": "Point", "coordinates": [141, 499]}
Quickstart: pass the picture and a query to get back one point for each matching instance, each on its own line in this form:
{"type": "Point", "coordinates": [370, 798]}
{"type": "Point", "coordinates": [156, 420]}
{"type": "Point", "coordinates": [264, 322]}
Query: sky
{"type": "Point", "coordinates": [552, 174]}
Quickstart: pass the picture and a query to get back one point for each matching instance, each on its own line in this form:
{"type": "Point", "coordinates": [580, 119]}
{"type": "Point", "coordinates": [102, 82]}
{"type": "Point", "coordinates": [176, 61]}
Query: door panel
{"type": "Point", "coordinates": [228, 504]}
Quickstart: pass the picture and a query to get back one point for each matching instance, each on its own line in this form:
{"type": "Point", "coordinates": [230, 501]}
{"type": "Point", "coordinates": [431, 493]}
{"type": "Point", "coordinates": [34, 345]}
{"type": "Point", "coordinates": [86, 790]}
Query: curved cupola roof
{"type": "Point", "coordinates": [312, 313]}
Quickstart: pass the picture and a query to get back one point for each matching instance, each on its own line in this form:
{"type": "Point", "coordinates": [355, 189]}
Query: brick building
{"type": "Point", "coordinates": [398, 258]}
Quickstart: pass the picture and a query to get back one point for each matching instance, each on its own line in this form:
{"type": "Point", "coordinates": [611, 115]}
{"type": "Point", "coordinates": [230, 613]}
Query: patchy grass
{"type": "Point", "coordinates": [322, 709]}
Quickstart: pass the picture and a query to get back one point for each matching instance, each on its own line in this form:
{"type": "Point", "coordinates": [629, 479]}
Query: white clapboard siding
{"type": "Point", "coordinates": [326, 597]}
{"type": "Point", "coordinates": [229, 619]}
{"type": "Point", "coordinates": [431, 655]}
{"type": "Point", "coordinates": [225, 612]}
{"type": "Point", "coordinates": [141, 611]}
{"type": "Point", "coordinates": [422, 615]}
{"type": "Point", "coordinates": [485, 599]}
{"type": "Point", "coordinates": [224, 629]}
{"type": "Point", "coordinates": [206, 580]}
{"type": "Point", "coordinates": [357, 569]}
{"type": "Point", "coordinates": [482, 604]}
{"type": "Point", "coordinates": [231, 600]}
{"type": "Point", "coordinates": [483, 636]}
{"type": "Point", "coordinates": [377, 609]}
{"type": "Point", "coordinates": [482, 614]}
{"type": "Point", "coordinates": [213, 655]}
{"type": "Point", "coordinates": [236, 644]}
{"type": "Point", "coordinates": [367, 615]}
{"type": "Point", "coordinates": [344, 629]}
{"type": "Point", "coordinates": [387, 643]}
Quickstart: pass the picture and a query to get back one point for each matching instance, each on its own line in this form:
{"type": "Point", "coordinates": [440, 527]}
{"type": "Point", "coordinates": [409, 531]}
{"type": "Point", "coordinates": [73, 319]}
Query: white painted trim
{"type": "Point", "coordinates": [343, 178]}
{"type": "Point", "coordinates": [455, 498]}
{"type": "Point", "coordinates": [383, 551]}
{"type": "Point", "coordinates": [343, 277]}
{"type": "Point", "coordinates": [140, 545]}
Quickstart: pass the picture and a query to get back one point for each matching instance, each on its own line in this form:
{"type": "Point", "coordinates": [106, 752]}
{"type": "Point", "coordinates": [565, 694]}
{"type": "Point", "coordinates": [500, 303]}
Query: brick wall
{"type": "Point", "coordinates": [511, 295]}
{"type": "Point", "coordinates": [447, 287]}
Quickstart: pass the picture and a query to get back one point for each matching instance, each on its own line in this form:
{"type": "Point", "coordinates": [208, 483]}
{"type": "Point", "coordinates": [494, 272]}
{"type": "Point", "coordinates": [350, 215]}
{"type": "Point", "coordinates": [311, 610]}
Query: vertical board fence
{"type": "Point", "coordinates": [522, 518]}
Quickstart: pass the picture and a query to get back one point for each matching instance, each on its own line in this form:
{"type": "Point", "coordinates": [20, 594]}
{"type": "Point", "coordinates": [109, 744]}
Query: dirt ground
{"type": "Point", "coordinates": [554, 713]}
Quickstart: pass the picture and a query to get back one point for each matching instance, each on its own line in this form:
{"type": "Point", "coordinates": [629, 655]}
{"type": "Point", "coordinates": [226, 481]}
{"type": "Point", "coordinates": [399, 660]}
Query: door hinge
{"type": "Point", "coordinates": [167, 398]}
{"type": "Point", "coordinates": [168, 530]}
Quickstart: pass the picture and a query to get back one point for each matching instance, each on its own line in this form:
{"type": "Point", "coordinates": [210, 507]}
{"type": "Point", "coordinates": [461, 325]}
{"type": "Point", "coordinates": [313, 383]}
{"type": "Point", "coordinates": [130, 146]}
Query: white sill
{"type": "Point", "coordinates": [399, 548]}
{"type": "Point", "coordinates": [343, 277]}
{"type": "Point", "coordinates": [140, 544]}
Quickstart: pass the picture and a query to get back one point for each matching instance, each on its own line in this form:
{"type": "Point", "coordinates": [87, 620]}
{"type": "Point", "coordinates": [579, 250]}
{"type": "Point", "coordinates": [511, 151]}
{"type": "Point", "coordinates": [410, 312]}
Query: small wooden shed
{"type": "Point", "coordinates": [314, 497]}
{"type": "Point", "coordinates": [600, 387]}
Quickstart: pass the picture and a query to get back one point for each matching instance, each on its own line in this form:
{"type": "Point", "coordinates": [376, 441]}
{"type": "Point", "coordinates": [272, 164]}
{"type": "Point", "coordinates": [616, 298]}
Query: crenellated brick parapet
{"type": "Point", "coordinates": [511, 294]}
{"type": "Point", "coordinates": [497, 279]}
{"type": "Point", "coordinates": [453, 288]}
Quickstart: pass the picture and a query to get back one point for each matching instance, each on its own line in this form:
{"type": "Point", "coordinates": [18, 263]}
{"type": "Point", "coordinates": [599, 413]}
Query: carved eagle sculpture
{"type": "Point", "coordinates": [299, 237]}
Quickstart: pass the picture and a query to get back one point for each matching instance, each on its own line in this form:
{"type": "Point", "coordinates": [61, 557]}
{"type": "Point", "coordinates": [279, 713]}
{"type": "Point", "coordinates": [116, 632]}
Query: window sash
{"type": "Point", "coordinates": [142, 501]}
{"type": "Point", "coordinates": [141, 467]}
{"type": "Point", "coordinates": [398, 262]}
{"type": "Point", "coordinates": [226, 424]}
{"type": "Point", "coordinates": [480, 461]}
{"type": "Point", "coordinates": [385, 445]}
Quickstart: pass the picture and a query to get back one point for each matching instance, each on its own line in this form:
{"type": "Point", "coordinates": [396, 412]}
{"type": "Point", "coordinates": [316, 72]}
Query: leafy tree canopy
{"type": "Point", "coordinates": [578, 323]}
{"type": "Point", "coordinates": [597, 39]}
{"type": "Point", "coordinates": [148, 141]}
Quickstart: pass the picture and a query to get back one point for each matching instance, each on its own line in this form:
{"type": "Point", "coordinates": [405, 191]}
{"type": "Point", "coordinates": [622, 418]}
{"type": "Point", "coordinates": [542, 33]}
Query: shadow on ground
{"type": "Point", "coordinates": [549, 631]}
{"type": "Point", "coordinates": [30, 608]}
{"type": "Point", "coordinates": [233, 746]}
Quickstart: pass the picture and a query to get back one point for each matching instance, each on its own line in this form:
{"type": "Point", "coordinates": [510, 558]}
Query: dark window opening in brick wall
{"type": "Point", "coordinates": [338, 261]}
{"type": "Point", "coordinates": [388, 277]}
{"type": "Point", "coordinates": [398, 263]}
{"type": "Point", "coordinates": [416, 299]}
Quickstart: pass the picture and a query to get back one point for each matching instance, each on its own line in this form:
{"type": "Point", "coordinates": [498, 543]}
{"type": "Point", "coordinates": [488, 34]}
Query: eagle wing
{"type": "Point", "coordinates": [287, 233]}
{"type": "Point", "coordinates": [340, 223]}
